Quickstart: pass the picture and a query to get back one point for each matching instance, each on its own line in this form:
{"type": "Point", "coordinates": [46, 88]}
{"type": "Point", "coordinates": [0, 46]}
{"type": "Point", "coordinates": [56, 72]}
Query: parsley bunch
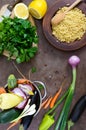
{"type": "Point", "coordinates": [17, 36]}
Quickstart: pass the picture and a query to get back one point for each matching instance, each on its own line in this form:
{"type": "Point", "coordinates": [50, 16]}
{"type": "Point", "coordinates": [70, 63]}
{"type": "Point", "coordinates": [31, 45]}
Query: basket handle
{"type": "Point", "coordinates": [45, 91]}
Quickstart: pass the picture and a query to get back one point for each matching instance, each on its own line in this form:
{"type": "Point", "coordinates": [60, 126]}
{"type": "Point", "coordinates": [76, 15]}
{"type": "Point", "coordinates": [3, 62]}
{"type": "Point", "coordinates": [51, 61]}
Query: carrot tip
{"type": "Point", "coordinates": [48, 103]}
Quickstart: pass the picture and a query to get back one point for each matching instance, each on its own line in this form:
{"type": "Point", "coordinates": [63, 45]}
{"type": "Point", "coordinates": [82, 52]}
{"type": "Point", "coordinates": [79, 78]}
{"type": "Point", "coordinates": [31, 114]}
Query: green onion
{"type": "Point", "coordinates": [61, 123]}
{"type": "Point", "coordinates": [28, 110]}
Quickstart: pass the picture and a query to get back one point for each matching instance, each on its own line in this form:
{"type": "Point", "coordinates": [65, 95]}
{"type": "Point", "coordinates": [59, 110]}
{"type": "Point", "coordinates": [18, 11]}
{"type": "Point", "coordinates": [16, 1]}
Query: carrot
{"type": "Point", "coordinates": [56, 95]}
{"type": "Point", "coordinates": [55, 98]}
{"type": "Point", "coordinates": [13, 124]}
{"type": "Point", "coordinates": [2, 90]}
{"type": "Point", "coordinates": [47, 103]}
{"type": "Point", "coordinates": [25, 81]}
{"type": "Point", "coordinates": [22, 81]}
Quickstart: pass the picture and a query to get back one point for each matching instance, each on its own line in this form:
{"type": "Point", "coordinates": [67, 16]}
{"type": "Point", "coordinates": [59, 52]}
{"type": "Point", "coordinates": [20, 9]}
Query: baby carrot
{"type": "Point", "coordinates": [21, 81]}
{"type": "Point", "coordinates": [56, 95]}
{"type": "Point", "coordinates": [47, 103]}
{"type": "Point", "coordinates": [13, 124]}
{"type": "Point", "coordinates": [44, 102]}
{"type": "Point", "coordinates": [2, 90]}
{"type": "Point", "coordinates": [55, 98]}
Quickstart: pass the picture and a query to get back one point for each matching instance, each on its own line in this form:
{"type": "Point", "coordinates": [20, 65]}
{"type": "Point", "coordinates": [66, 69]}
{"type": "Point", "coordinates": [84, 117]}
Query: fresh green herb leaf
{"type": "Point", "coordinates": [17, 37]}
{"type": "Point", "coordinates": [40, 87]}
{"type": "Point", "coordinates": [33, 69]}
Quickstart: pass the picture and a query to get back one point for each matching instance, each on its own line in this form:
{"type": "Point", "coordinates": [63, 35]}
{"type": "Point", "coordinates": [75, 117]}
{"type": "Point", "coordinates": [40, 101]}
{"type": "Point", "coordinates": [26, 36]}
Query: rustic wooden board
{"type": "Point", "coordinates": [31, 19]}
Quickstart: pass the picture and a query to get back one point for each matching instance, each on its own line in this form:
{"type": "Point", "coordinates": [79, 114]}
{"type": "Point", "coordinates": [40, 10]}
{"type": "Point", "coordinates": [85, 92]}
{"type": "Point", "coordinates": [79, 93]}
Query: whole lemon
{"type": "Point", "coordinates": [38, 8]}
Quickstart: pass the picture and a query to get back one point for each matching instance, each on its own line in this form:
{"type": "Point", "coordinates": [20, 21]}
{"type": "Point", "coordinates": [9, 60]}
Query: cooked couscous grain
{"type": "Point", "coordinates": [72, 27]}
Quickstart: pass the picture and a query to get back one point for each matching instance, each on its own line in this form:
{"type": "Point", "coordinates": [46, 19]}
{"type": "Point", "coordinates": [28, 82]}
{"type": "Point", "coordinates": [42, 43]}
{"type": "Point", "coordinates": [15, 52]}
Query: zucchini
{"type": "Point", "coordinates": [9, 115]}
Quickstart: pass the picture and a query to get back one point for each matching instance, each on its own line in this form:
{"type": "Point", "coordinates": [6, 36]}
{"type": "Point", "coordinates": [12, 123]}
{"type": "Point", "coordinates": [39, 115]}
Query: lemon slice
{"type": "Point", "coordinates": [21, 11]}
{"type": "Point", "coordinates": [38, 8]}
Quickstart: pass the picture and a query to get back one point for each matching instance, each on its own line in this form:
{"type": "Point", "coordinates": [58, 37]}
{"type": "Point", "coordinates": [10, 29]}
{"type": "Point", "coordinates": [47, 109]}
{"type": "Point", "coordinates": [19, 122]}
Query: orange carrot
{"type": "Point", "coordinates": [25, 81]}
{"type": "Point", "coordinates": [47, 103]}
{"type": "Point", "coordinates": [13, 124]}
{"type": "Point", "coordinates": [44, 102]}
{"type": "Point", "coordinates": [2, 90]}
{"type": "Point", "coordinates": [55, 98]}
{"type": "Point", "coordinates": [57, 95]}
{"type": "Point", "coordinates": [22, 81]}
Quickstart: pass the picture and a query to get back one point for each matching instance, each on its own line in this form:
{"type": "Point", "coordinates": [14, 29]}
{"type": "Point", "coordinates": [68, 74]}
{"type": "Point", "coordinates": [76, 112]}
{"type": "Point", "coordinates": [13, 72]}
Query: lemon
{"type": "Point", "coordinates": [9, 100]}
{"type": "Point", "coordinates": [21, 11]}
{"type": "Point", "coordinates": [38, 8]}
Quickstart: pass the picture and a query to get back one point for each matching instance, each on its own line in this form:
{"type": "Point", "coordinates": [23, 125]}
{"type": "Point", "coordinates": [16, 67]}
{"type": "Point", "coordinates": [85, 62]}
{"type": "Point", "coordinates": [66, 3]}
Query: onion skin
{"type": "Point", "coordinates": [19, 92]}
{"type": "Point", "coordinates": [74, 61]}
{"type": "Point", "coordinates": [26, 88]}
{"type": "Point", "coordinates": [22, 104]}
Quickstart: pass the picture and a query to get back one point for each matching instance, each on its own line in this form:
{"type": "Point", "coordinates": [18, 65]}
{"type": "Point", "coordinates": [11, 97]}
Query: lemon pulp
{"type": "Point", "coordinates": [21, 11]}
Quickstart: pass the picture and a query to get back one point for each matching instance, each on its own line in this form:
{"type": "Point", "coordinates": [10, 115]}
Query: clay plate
{"type": "Point", "coordinates": [48, 32]}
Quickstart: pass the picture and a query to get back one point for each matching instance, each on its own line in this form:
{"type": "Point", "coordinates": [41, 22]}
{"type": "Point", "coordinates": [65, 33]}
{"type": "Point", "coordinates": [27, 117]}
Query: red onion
{"type": "Point", "coordinates": [19, 92]}
{"type": "Point", "coordinates": [26, 88]}
{"type": "Point", "coordinates": [74, 61]}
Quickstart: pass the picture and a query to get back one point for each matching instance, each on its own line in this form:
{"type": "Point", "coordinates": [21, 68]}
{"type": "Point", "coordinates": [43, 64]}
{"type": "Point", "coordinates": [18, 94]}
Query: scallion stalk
{"type": "Point", "coordinates": [61, 123]}
{"type": "Point", "coordinates": [68, 101]}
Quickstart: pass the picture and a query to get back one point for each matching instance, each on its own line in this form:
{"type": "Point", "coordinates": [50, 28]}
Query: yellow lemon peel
{"type": "Point", "coordinates": [38, 8]}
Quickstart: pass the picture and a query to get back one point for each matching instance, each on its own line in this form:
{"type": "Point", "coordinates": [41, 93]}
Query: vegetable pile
{"type": "Point", "coordinates": [61, 123]}
{"type": "Point", "coordinates": [19, 38]}
{"type": "Point", "coordinates": [19, 101]}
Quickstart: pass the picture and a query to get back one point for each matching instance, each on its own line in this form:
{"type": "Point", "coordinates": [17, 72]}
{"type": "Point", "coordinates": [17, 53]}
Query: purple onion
{"type": "Point", "coordinates": [74, 61]}
{"type": "Point", "coordinates": [22, 104]}
{"type": "Point", "coordinates": [19, 92]}
{"type": "Point", "coordinates": [26, 88]}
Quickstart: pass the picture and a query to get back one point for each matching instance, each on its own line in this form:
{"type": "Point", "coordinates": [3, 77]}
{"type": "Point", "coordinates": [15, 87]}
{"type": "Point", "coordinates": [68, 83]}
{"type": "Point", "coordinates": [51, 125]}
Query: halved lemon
{"type": "Point", "coordinates": [21, 11]}
{"type": "Point", "coordinates": [38, 8]}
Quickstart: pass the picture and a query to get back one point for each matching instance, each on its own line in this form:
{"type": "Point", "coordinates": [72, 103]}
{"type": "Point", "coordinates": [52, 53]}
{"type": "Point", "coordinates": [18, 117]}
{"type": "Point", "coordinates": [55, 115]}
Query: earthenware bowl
{"type": "Point", "coordinates": [48, 30]}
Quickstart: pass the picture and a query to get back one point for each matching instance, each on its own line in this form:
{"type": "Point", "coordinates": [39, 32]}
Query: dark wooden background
{"type": "Point", "coordinates": [52, 67]}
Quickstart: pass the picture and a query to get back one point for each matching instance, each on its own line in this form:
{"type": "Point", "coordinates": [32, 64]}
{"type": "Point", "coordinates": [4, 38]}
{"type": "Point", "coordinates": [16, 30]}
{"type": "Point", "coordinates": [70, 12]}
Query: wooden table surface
{"type": "Point", "coordinates": [52, 67]}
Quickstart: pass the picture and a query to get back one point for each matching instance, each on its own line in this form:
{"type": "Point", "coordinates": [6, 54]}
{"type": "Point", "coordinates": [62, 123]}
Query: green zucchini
{"type": "Point", "coordinates": [9, 115]}
{"type": "Point", "coordinates": [12, 81]}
